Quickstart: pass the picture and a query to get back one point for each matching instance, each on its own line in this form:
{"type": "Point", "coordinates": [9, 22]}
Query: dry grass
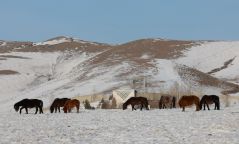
{"type": "Point", "coordinates": [91, 98]}
{"type": "Point", "coordinates": [228, 100]}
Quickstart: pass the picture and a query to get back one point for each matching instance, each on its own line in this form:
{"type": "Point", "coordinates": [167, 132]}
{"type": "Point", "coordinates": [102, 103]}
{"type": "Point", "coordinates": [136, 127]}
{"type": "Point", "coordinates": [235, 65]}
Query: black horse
{"type": "Point", "coordinates": [29, 103]}
{"type": "Point", "coordinates": [57, 103]}
{"type": "Point", "coordinates": [142, 101]}
{"type": "Point", "coordinates": [210, 99]}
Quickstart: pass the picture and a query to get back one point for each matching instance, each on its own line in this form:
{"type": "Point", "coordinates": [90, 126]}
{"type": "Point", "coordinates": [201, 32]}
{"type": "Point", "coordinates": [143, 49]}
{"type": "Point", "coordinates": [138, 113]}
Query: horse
{"type": "Point", "coordinates": [57, 103]}
{"type": "Point", "coordinates": [142, 101]}
{"type": "Point", "coordinates": [167, 101]}
{"type": "Point", "coordinates": [29, 103]}
{"type": "Point", "coordinates": [210, 99]}
{"type": "Point", "coordinates": [188, 101]}
{"type": "Point", "coordinates": [69, 104]}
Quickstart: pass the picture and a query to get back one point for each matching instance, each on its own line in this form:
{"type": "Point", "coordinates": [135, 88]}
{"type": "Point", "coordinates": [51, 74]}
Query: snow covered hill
{"type": "Point", "coordinates": [68, 67]}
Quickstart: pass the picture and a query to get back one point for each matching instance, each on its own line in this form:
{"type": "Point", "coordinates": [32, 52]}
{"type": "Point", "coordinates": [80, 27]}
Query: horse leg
{"type": "Point", "coordinates": [141, 107]}
{"type": "Point", "coordinates": [26, 110]}
{"type": "Point", "coordinates": [41, 111]}
{"type": "Point", "coordinates": [36, 110]}
{"type": "Point", "coordinates": [146, 107]}
{"type": "Point", "coordinates": [218, 106]}
{"type": "Point", "coordinates": [77, 108]}
{"type": "Point", "coordinates": [132, 107]}
{"type": "Point", "coordinates": [59, 109]}
{"type": "Point", "coordinates": [183, 109]}
{"type": "Point", "coordinates": [204, 106]}
{"type": "Point", "coordinates": [21, 109]}
{"type": "Point", "coordinates": [208, 107]}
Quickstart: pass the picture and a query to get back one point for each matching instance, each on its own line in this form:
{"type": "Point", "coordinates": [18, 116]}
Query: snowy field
{"type": "Point", "coordinates": [118, 126]}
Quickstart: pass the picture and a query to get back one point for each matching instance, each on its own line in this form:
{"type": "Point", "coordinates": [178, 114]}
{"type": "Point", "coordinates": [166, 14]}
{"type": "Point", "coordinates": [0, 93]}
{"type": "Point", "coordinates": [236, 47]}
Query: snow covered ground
{"type": "Point", "coordinates": [118, 126]}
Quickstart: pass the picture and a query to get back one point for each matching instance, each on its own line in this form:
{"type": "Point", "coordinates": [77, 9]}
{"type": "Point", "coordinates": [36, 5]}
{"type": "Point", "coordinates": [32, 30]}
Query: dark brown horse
{"type": "Point", "coordinates": [210, 99]}
{"type": "Point", "coordinates": [57, 103]}
{"type": "Point", "coordinates": [71, 104]}
{"type": "Point", "coordinates": [29, 103]}
{"type": "Point", "coordinates": [167, 101]}
{"type": "Point", "coordinates": [188, 101]}
{"type": "Point", "coordinates": [142, 101]}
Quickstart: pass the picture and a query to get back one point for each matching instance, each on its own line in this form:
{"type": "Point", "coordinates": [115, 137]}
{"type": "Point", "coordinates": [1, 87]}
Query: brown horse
{"type": "Point", "coordinates": [188, 101]}
{"type": "Point", "coordinates": [167, 101]}
{"type": "Point", "coordinates": [210, 99]}
{"type": "Point", "coordinates": [142, 101]}
{"type": "Point", "coordinates": [57, 103]}
{"type": "Point", "coordinates": [71, 104]}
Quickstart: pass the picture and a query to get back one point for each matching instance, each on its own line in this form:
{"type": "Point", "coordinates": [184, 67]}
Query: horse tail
{"type": "Point", "coordinates": [161, 102]}
{"type": "Point", "coordinates": [146, 104]}
{"type": "Point", "coordinates": [41, 103]}
{"type": "Point", "coordinates": [78, 106]}
{"type": "Point", "coordinates": [180, 102]}
{"type": "Point", "coordinates": [174, 102]}
{"type": "Point", "coordinates": [218, 105]}
{"type": "Point", "coordinates": [41, 106]}
{"type": "Point", "coordinates": [197, 102]}
{"type": "Point", "coordinates": [201, 102]}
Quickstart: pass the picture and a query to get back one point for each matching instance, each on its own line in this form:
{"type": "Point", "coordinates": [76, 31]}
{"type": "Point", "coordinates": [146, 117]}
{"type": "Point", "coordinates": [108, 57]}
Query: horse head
{"type": "Point", "coordinates": [202, 101]}
{"type": "Point", "coordinates": [16, 107]}
{"type": "Point", "coordinates": [124, 106]}
{"type": "Point", "coordinates": [65, 109]}
{"type": "Point", "coordinates": [51, 109]}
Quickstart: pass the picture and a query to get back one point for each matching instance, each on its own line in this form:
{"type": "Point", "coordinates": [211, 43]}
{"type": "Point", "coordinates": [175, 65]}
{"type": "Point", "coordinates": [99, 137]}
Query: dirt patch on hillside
{"type": "Point", "coordinates": [14, 46]}
{"type": "Point", "coordinates": [8, 72]}
{"type": "Point", "coordinates": [12, 56]}
{"type": "Point", "coordinates": [141, 52]}
{"type": "Point", "coordinates": [164, 49]}
{"type": "Point", "coordinates": [226, 64]}
{"type": "Point", "coordinates": [65, 46]}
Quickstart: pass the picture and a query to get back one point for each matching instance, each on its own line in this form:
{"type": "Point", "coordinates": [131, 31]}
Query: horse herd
{"type": "Point", "coordinates": [66, 103]}
{"type": "Point", "coordinates": [164, 102]}
{"type": "Point", "coordinates": [170, 102]}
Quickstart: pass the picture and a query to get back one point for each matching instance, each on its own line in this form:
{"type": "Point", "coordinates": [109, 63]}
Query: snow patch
{"type": "Point", "coordinates": [53, 42]}
{"type": "Point", "coordinates": [3, 43]}
{"type": "Point", "coordinates": [145, 56]}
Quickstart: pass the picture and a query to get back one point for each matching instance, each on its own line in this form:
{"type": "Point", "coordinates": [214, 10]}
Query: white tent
{"type": "Point", "coordinates": [121, 95]}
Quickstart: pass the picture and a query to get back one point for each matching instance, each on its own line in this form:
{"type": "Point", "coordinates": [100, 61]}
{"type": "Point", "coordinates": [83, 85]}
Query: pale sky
{"type": "Point", "coordinates": [119, 21]}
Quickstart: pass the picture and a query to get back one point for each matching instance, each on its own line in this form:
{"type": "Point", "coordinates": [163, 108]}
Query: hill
{"type": "Point", "coordinates": [68, 67]}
